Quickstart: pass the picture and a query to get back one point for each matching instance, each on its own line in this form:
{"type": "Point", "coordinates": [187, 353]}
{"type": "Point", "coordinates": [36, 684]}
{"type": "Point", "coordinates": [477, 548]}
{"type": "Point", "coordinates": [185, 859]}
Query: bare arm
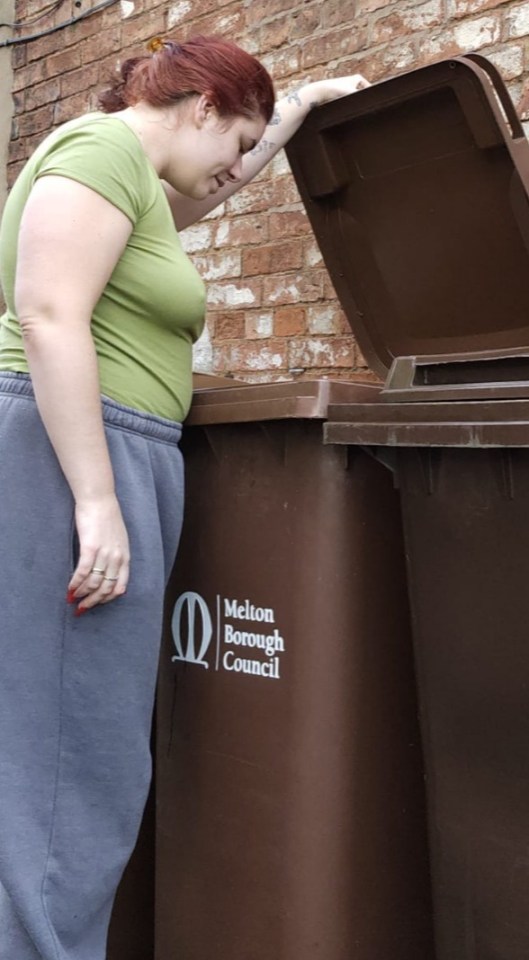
{"type": "Point", "coordinates": [289, 114]}
{"type": "Point", "coordinates": [70, 240]}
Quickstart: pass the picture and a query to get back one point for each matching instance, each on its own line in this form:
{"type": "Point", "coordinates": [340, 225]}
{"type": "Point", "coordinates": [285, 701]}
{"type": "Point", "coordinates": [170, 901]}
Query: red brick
{"type": "Point", "coordinates": [336, 12]}
{"type": "Point", "coordinates": [237, 294]}
{"type": "Point", "coordinates": [13, 171]}
{"type": "Point", "coordinates": [70, 108]}
{"type": "Point", "coordinates": [177, 14]}
{"type": "Point", "coordinates": [250, 355]}
{"type": "Point", "coordinates": [229, 326]}
{"type": "Point", "coordinates": [306, 22]}
{"type": "Point", "coordinates": [388, 61]}
{"type": "Point", "coordinates": [291, 223]}
{"type": "Point", "coordinates": [326, 319]}
{"type": "Point", "coordinates": [251, 199]}
{"type": "Point", "coordinates": [19, 56]}
{"type": "Point", "coordinates": [17, 150]}
{"type": "Point", "coordinates": [283, 191]}
{"type": "Point", "coordinates": [258, 324]}
{"type": "Point", "coordinates": [464, 8]}
{"type": "Point", "coordinates": [367, 6]}
{"type": "Point", "coordinates": [520, 96]}
{"type": "Point", "coordinates": [19, 102]}
{"type": "Point", "coordinates": [47, 92]}
{"type": "Point", "coordinates": [509, 60]}
{"type": "Point", "coordinates": [283, 63]}
{"type": "Point", "coordinates": [275, 33]}
{"type": "Point", "coordinates": [226, 23]}
{"type": "Point", "coordinates": [329, 293]}
{"type": "Point", "coordinates": [31, 143]}
{"type": "Point", "coordinates": [36, 122]}
{"type": "Point", "coordinates": [27, 76]}
{"type": "Point", "coordinates": [256, 261]}
{"type": "Point", "coordinates": [293, 288]}
{"type": "Point", "coordinates": [61, 62]}
{"type": "Point", "coordinates": [29, 9]}
{"type": "Point", "coordinates": [138, 30]}
{"type": "Point", "coordinates": [322, 352]}
{"type": "Point", "coordinates": [79, 81]}
{"type": "Point", "coordinates": [100, 46]}
{"type": "Point", "coordinates": [404, 21]}
{"type": "Point", "coordinates": [241, 231]}
{"type": "Point", "coordinates": [89, 27]}
{"type": "Point", "coordinates": [331, 46]}
{"type": "Point", "coordinates": [468, 35]}
{"type": "Point", "coordinates": [256, 12]}
{"type": "Point", "coordinates": [219, 266]}
{"type": "Point", "coordinates": [274, 258]}
{"type": "Point", "coordinates": [289, 321]}
{"type": "Point", "coordinates": [38, 49]}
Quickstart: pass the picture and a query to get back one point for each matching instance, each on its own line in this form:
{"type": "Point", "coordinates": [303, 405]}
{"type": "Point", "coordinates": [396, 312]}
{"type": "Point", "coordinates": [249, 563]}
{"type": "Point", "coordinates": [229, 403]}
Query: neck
{"type": "Point", "coordinates": [153, 128]}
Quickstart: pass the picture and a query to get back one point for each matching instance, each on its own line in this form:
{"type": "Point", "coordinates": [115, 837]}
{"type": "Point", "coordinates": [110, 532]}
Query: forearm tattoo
{"type": "Point", "coordinates": [276, 118]}
{"type": "Point", "coordinates": [294, 98]}
{"type": "Point", "coordinates": [262, 145]}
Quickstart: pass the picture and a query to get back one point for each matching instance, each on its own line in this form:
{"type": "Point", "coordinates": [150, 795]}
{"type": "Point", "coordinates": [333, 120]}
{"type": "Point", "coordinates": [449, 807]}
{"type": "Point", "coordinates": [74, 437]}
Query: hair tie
{"type": "Point", "coordinates": [155, 45]}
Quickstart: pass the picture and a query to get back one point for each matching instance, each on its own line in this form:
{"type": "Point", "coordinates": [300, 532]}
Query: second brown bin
{"type": "Point", "coordinates": [290, 816]}
{"type": "Point", "coordinates": [418, 192]}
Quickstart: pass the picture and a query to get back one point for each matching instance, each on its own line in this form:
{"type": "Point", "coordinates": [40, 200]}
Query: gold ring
{"type": "Point", "coordinates": [96, 570]}
{"type": "Point", "coordinates": [111, 578]}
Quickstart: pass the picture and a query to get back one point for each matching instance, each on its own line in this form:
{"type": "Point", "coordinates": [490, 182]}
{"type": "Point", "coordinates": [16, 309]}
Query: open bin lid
{"type": "Point", "coordinates": [416, 189]}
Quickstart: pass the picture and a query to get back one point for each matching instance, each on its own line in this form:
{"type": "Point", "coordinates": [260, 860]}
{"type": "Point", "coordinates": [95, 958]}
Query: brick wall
{"type": "Point", "coordinates": [272, 311]}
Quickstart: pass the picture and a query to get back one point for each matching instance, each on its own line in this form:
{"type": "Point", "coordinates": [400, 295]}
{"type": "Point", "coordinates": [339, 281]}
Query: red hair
{"type": "Point", "coordinates": [236, 82]}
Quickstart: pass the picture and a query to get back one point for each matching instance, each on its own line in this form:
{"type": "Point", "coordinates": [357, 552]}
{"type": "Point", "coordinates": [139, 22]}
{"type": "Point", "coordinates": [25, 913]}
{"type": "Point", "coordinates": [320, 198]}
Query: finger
{"type": "Point", "coordinates": [88, 560]}
{"type": "Point", "coordinates": [88, 575]}
{"type": "Point", "coordinates": [113, 584]}
{"type": "Point", "coordinates": [120, 586]}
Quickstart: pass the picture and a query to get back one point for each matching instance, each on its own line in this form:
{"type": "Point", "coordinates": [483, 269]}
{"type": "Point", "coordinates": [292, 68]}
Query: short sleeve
{"type": "Point", "coordinates": [103, 154]}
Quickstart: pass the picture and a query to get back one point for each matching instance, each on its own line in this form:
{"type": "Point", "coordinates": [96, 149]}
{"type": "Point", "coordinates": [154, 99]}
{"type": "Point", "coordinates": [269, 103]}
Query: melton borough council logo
{"type": "Point", "coordinates": [192, 610]}
{"type": "Point", "coordinates": [246, 637]}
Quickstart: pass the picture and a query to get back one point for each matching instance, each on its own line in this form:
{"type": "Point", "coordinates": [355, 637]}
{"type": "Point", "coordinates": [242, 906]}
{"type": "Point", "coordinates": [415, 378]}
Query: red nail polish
{"type": "Point", "coordinates": [80, 610]}
{"type": "Point", "coordinates": [70, 596]}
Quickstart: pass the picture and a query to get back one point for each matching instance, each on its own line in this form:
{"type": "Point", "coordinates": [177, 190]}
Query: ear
{"type": "Point", "coordinates": [204, 110]}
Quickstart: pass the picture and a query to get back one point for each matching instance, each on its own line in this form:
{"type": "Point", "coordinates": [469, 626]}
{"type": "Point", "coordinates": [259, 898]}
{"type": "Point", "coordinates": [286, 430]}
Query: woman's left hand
{"type": "Point", "coordinates": [322, 91]}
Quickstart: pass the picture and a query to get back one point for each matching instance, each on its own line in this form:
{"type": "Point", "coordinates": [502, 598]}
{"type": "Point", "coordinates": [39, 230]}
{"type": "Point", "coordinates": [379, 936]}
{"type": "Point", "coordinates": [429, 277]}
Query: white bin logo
{"type": "Point", "coordinates": [191, 602]}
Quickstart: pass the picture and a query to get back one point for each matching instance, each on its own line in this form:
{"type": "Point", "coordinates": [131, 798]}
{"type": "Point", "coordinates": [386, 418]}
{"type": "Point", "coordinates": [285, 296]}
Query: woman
{"type": "Point", "coordinates": [95, 378]}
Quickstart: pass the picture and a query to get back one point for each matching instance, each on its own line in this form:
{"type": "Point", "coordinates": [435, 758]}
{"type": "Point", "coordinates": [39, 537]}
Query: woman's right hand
{"type": "Point", "coordinates": [102, 571]}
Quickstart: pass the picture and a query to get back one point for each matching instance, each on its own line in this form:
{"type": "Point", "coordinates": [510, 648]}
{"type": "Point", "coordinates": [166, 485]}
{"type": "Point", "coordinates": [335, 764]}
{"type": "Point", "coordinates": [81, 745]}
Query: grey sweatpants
{"type": "Point", "coordinates": [76, 693]}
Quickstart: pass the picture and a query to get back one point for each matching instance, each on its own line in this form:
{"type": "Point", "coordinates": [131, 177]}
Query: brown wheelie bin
{"type": "Point", "coordinates": [290, 799]}
{"type": "Point", "coordinates": [424, 225]}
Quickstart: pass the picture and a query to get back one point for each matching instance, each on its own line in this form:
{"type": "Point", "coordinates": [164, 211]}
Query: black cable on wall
{"type": "Point", "coordinates": [13, 41]}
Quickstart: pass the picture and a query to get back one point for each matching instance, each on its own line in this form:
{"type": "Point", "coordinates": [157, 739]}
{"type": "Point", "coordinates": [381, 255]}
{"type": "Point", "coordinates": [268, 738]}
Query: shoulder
{"type": "Point", "coordinates": [103, 153]}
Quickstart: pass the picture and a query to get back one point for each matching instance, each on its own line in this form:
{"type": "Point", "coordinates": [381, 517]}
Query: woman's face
{"type": "Point", "coordinates": [207, 150]}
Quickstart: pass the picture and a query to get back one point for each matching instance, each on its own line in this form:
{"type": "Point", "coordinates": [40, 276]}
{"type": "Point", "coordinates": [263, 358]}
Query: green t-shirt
{"type": "Point", "coordinates": [152, 308]}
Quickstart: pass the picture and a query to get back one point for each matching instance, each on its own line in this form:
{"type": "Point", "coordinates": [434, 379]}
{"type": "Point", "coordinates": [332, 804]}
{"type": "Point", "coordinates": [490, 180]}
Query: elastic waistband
{"type": "Point", "coordinates": [114, 414]}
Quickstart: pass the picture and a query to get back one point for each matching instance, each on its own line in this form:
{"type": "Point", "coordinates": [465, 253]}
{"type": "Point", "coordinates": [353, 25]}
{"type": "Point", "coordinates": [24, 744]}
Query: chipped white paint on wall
{"type": "Point", "coordinates": [177, 12]}
{"type": "Point", "coordinates": [230, 295]}
{"type": "Point", "coordinates": [222, 235]}
{"type": "Point", "coordinates": [127, 8]}
{"type": "Point", "coordinates": [264, 359]}
{"type": "Point", "coordinates": [219, 267]}
{"type": "Point", "coordinates": [195, 238]}
{"type": "Point", "coordinates": [260, 325]}
{"type": "Point", "coordinates": [477, 33]}
{"type": "Point", "coordinates": [203, 354]}
{"type": "Point", "coordinates": [285, 292]}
